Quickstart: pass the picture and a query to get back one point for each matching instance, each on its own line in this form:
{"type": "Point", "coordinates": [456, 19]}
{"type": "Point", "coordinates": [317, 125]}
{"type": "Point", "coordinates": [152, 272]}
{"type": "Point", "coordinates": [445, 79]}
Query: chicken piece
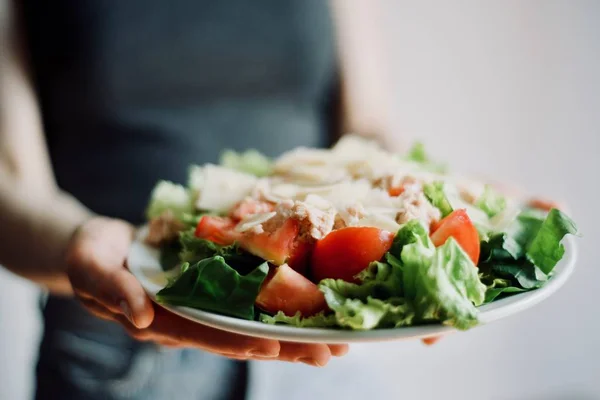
{"type": "Point", "coordinates": [314, 223]}
{"type": "Point", "coordinates": [163, 228]}
{"type": "Point", "coordinates": [351, 214]}
{"type": "Point", "coordinates": [414, 205]}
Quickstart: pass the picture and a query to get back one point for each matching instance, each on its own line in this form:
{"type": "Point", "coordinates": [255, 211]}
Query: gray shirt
{"type": "Point", "coordinates": [133, 91]}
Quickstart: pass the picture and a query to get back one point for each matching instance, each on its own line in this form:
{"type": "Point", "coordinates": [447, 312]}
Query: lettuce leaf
{"type": "Point", "coordinates": [545, 249]}
{"type": "Point", "coordinates": [214, 286]}
{"type": "Point", "coordinates": [250, 161]}
{"type": "Point", "coordinates": [491, 202]}
{"type": "Point", "coordinates": [446, 285]}
{"type": "Point", "coordinates": [436, 196]}
{"type": "Point", "coordinates": [379, 280]}
{"type": "Point", "coordinates": [195, 249]}
{"type": "Point", "coordinates": [524, 257]}
{"type": "Point", "coordinates": [527, 275]}
{"type": "Point", "coordinates": [534, 236]}
{"type": "Point", "coordinates": [169, 196]}
{"type": "Point", "coordinates": [410, 250]}
{"type": "Point", "coordinates": [370, 313]}
{"type": "Point", "coordinates": [374, 303]}
{"type": "Point", "coordinates": [418, 155]}
{"type": "Point", "coordinates": [496, 287]}
{"type": "Point", "coordinates": [319, 320]}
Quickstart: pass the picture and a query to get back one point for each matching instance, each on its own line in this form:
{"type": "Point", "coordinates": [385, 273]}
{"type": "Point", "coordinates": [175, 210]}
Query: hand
{"type": "Point", "coordinates": [96, 269]}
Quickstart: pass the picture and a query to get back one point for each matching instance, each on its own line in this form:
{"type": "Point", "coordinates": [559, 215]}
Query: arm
{"type": "Point", "coordinates": [48, 237]}
{"type": "Point", "coordinates": [37, 219]}
{"type": "Point", "coordinates": [365, 96]}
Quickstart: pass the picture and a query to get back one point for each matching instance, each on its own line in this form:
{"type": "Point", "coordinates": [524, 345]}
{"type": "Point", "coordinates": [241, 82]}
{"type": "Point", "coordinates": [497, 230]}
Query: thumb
{"type": "Point", "coordinates": [97, 270]}
{"type": "Point", "coordinates": [127, 295]}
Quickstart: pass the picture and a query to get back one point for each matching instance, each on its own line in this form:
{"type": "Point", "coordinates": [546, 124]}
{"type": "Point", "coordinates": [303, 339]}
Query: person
{"type": "Point", "coordinates": [102, 99]}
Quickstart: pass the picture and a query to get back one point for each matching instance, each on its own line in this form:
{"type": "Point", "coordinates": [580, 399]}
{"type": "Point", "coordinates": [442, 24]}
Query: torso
{"type": "Point", "coordinates": [134, 91]}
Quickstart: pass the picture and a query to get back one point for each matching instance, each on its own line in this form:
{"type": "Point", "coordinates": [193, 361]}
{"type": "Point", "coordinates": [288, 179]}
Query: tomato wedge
{"type": "Point", "coordinates": [345, 252]}
{"type": "Point", "coordinates": [396, 191]}
{"type": "Point", "coordinates": [278, 247]}
{"type": "Point", "coordinates": [286, 290]}
{"type": "Point", "coordinates": [459, 226]}
{"type": "Point", "coordinates": [217, 229]}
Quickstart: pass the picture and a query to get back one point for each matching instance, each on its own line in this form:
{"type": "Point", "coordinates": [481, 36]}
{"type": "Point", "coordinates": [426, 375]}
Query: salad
{"type": "Point", "coordinates": [352, 237]}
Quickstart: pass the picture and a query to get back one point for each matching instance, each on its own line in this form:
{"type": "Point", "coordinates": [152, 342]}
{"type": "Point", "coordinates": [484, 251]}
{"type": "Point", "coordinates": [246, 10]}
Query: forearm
{"type": "Point", "coordinates": [35, 228]}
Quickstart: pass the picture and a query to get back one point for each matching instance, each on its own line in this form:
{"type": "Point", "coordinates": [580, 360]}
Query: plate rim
{"type": "Point", "coordinates": [488, 313]}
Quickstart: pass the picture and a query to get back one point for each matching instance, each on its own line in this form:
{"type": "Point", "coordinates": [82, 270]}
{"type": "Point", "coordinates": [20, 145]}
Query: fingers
{"type": "Point", "coordinates": [431, 340]}
{"type": "Point", "coordinates": [191, 334]}
{"type": "Point", "coordinates": [97, 309]}
{"type": "Point", "coordinates": [339, 350]}
{"type": "Point", "coordinates": [130, 298]}
{"type": "Point", "coordinates": [176, 331]}
{"type": "Point", "coordinates": [96, 269]}
{"type": "Point", "coordinates": [312, 354]}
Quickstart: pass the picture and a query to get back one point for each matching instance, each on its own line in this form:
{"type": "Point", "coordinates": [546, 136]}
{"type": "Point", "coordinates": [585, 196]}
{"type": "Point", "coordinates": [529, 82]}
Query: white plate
{"type": "Point", "coordinates": [143, 262]}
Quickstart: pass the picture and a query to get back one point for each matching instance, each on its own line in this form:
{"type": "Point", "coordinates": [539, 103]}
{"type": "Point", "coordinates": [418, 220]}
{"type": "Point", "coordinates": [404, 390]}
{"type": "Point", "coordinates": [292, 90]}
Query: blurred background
{"type": "Point", "coordinates": [505, 89]}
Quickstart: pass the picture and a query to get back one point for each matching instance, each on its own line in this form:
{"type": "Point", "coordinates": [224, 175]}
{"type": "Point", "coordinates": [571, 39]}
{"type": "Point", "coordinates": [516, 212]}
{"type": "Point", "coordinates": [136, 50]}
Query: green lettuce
{"type": "Point", "coordinates": [418, 155]}
{"type": "Point", "coordinates": [367, 313]}
{"type": "Point", "coordinates": [496, 287]}
{"type": "Point", "coordinates": [410, 249]}
{"type": "Point", "coordinates": [319, 320]}
{"type": "Point", "coordinates": [491, 202]}
{"type": "Point", "coordinates": [527, 275]}
{"type": "Point", "coordinates": [442, 283]}
{"type": "Point", "coordinates": [194, 249]}
{"type": "Point", "coordinates": [250, 161]}
{"type": "Point", "coordinates": [533, 235]}
{"type": "Point", "coordinates": [375, 302]}
{"type": "Point", "coordinates": [447, 286]}
{"type": "Point", "coordinates": [523, 258]}
{"type": "Point", "coordinates": [169, 196]}
{"type": "Point", "coordinates": [212, 285]}
{"type": "Point", "coordinates": [436, 196]}
{"type": "Point", "coordinates": [545, 250]}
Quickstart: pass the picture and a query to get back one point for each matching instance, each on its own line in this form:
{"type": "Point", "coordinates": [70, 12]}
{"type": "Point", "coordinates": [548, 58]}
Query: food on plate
{"type": "Point", "coordinates": [352, 237]}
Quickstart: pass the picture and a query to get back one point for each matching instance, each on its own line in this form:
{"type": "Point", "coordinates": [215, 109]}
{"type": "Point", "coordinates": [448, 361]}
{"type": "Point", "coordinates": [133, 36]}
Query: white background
{"type": "Point", "coordinates": [509, 89]}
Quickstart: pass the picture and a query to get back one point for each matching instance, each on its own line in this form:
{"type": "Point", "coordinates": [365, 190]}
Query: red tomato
{"type": "Point", "coordinates": [278, 247]}
{"type": "Point", "coordinates": [249, 207]}
{"type": "Point", "coordinates": [396, 191]}
{"type": "Point", "coordinates": [217, 229]}
{"type": "Point", "coordinates": [288, 291]}
{"type": "Point", "coordinates": [459, 226]}
{"type": "Point", "coordinates": [299, 259]}
{"type": "Point", "coordinates": [345, 252]}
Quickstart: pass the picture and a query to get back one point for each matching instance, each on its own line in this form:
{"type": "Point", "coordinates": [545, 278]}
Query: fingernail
{"type": "Point", "coordinates": [126, 310]}
{"type": "Point", "coordinates": [311, 361]}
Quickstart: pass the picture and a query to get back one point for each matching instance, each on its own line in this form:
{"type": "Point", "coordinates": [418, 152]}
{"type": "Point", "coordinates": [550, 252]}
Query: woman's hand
{"type": "Point", "coordinates": [96, 269]}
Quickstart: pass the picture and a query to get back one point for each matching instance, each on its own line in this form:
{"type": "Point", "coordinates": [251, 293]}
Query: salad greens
{"type": "Point", "coordinates": [414, 282]}
{"type": "Point", "coordinates": [250, 161]}
{"type": "Point", "coordinates": [435, 194]}
{"type": "Point", "coordinates": [491, 202]}
{"type": "Point", "coordinates": [212, 285]}
{"type": "Point", "coordinates": [319, 320]}
{"type": "Point", "coordinates": [421, 284]}
{"type": "Point", "coordinates": [172, 197]}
